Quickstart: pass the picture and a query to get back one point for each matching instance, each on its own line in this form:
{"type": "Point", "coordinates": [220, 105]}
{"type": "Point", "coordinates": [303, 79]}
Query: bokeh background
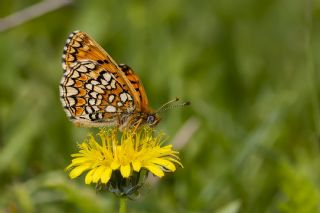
{"type": "Point", "coordinates": [250, 140]}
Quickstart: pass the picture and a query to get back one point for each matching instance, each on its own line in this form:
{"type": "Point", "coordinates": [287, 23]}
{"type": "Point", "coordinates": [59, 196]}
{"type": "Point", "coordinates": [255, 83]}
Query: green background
{"type": "Point", "coordinates": [250, 69]}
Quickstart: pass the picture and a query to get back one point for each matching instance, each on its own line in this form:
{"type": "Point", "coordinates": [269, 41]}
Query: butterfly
{"type": "Point", "coordinates": [95, 91]}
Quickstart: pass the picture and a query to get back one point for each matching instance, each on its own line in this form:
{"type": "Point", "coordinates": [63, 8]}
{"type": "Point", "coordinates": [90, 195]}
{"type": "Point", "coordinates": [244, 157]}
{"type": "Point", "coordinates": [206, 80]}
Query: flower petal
{"type": "Point", "coordinates": [175, 161]}
{"type": "Point", "coordinates": [88, 178]}
{"type": "Point", "coordinates": [97, 174]}
{"type": "Point", "coordinates": [115, 165]}
{"type": "Point", "coordinates": [155, 170]}
{"type": "Point", "coordinates": [136, 165]}
{"type": "Point", "coordinates": [125, 170]}
{"type": "Point", "coordinates": [75, 172]}
{"type": "Point", "coordinates": [164, 163]}
{"type": "Point", "coordinates": [106, 175]}
{"type": "Point", "coordinates": [79, 160]}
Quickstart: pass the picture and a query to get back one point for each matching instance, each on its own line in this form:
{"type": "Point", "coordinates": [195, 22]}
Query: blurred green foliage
{"type": "Point", "coordinates": [250, 69]}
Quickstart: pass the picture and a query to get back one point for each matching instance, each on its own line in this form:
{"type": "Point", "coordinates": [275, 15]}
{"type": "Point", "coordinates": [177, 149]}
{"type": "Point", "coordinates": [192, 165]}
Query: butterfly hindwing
{"type": "Point", "coordinates": [90, 93]}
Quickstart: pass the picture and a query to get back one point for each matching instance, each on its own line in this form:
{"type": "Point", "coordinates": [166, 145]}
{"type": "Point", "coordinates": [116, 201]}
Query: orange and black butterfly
{"type": "Point", "coordinates": [96, 91]}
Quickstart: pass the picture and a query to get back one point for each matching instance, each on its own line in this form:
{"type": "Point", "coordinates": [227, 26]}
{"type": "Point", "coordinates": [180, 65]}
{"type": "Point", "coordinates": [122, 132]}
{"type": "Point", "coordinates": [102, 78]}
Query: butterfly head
{"type": "Point", "coordinates": [152, 119]}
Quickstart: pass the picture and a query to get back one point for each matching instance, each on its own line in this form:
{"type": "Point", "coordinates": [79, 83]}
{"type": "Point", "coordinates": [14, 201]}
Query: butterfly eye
{"type": "Point", "coordinates": [150, 119]}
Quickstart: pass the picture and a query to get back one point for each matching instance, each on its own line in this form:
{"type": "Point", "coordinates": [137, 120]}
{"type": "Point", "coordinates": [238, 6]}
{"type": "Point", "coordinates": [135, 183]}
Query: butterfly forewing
{"type": "Point", "coordinates": [137, 86]}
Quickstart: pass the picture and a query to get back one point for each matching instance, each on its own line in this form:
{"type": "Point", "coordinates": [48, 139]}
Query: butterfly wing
{"type": "Point", "coordinates": [94, 91]}
{"type": "Point", "coordinates": [137, 86]}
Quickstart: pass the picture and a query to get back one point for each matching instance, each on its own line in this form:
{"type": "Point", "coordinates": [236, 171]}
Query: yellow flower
{"type": "Point", "coordinates": [124, 158]}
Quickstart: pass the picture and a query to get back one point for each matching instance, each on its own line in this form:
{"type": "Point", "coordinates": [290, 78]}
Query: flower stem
{"type": "Point", "coordinates": [123, 205]}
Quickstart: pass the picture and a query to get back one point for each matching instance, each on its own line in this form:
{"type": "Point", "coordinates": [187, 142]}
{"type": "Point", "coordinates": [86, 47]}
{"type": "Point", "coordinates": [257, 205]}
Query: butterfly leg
{"type": "Point", "coordinates": [137, 125]}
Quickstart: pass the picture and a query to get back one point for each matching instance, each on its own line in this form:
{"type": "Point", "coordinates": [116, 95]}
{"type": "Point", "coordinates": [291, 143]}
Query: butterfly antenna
{"type": "Point", "coordinates": [169, 105]}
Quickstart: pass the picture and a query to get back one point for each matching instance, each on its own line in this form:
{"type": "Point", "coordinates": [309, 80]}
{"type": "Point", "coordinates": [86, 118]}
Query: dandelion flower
{"type": "Point", "coordinates": [120, 163]}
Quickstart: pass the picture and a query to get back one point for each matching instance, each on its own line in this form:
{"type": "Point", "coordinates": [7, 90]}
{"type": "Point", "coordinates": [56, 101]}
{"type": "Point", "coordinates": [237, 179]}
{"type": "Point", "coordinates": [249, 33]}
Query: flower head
{"type": "Point", "coordinates": [120, 163]}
